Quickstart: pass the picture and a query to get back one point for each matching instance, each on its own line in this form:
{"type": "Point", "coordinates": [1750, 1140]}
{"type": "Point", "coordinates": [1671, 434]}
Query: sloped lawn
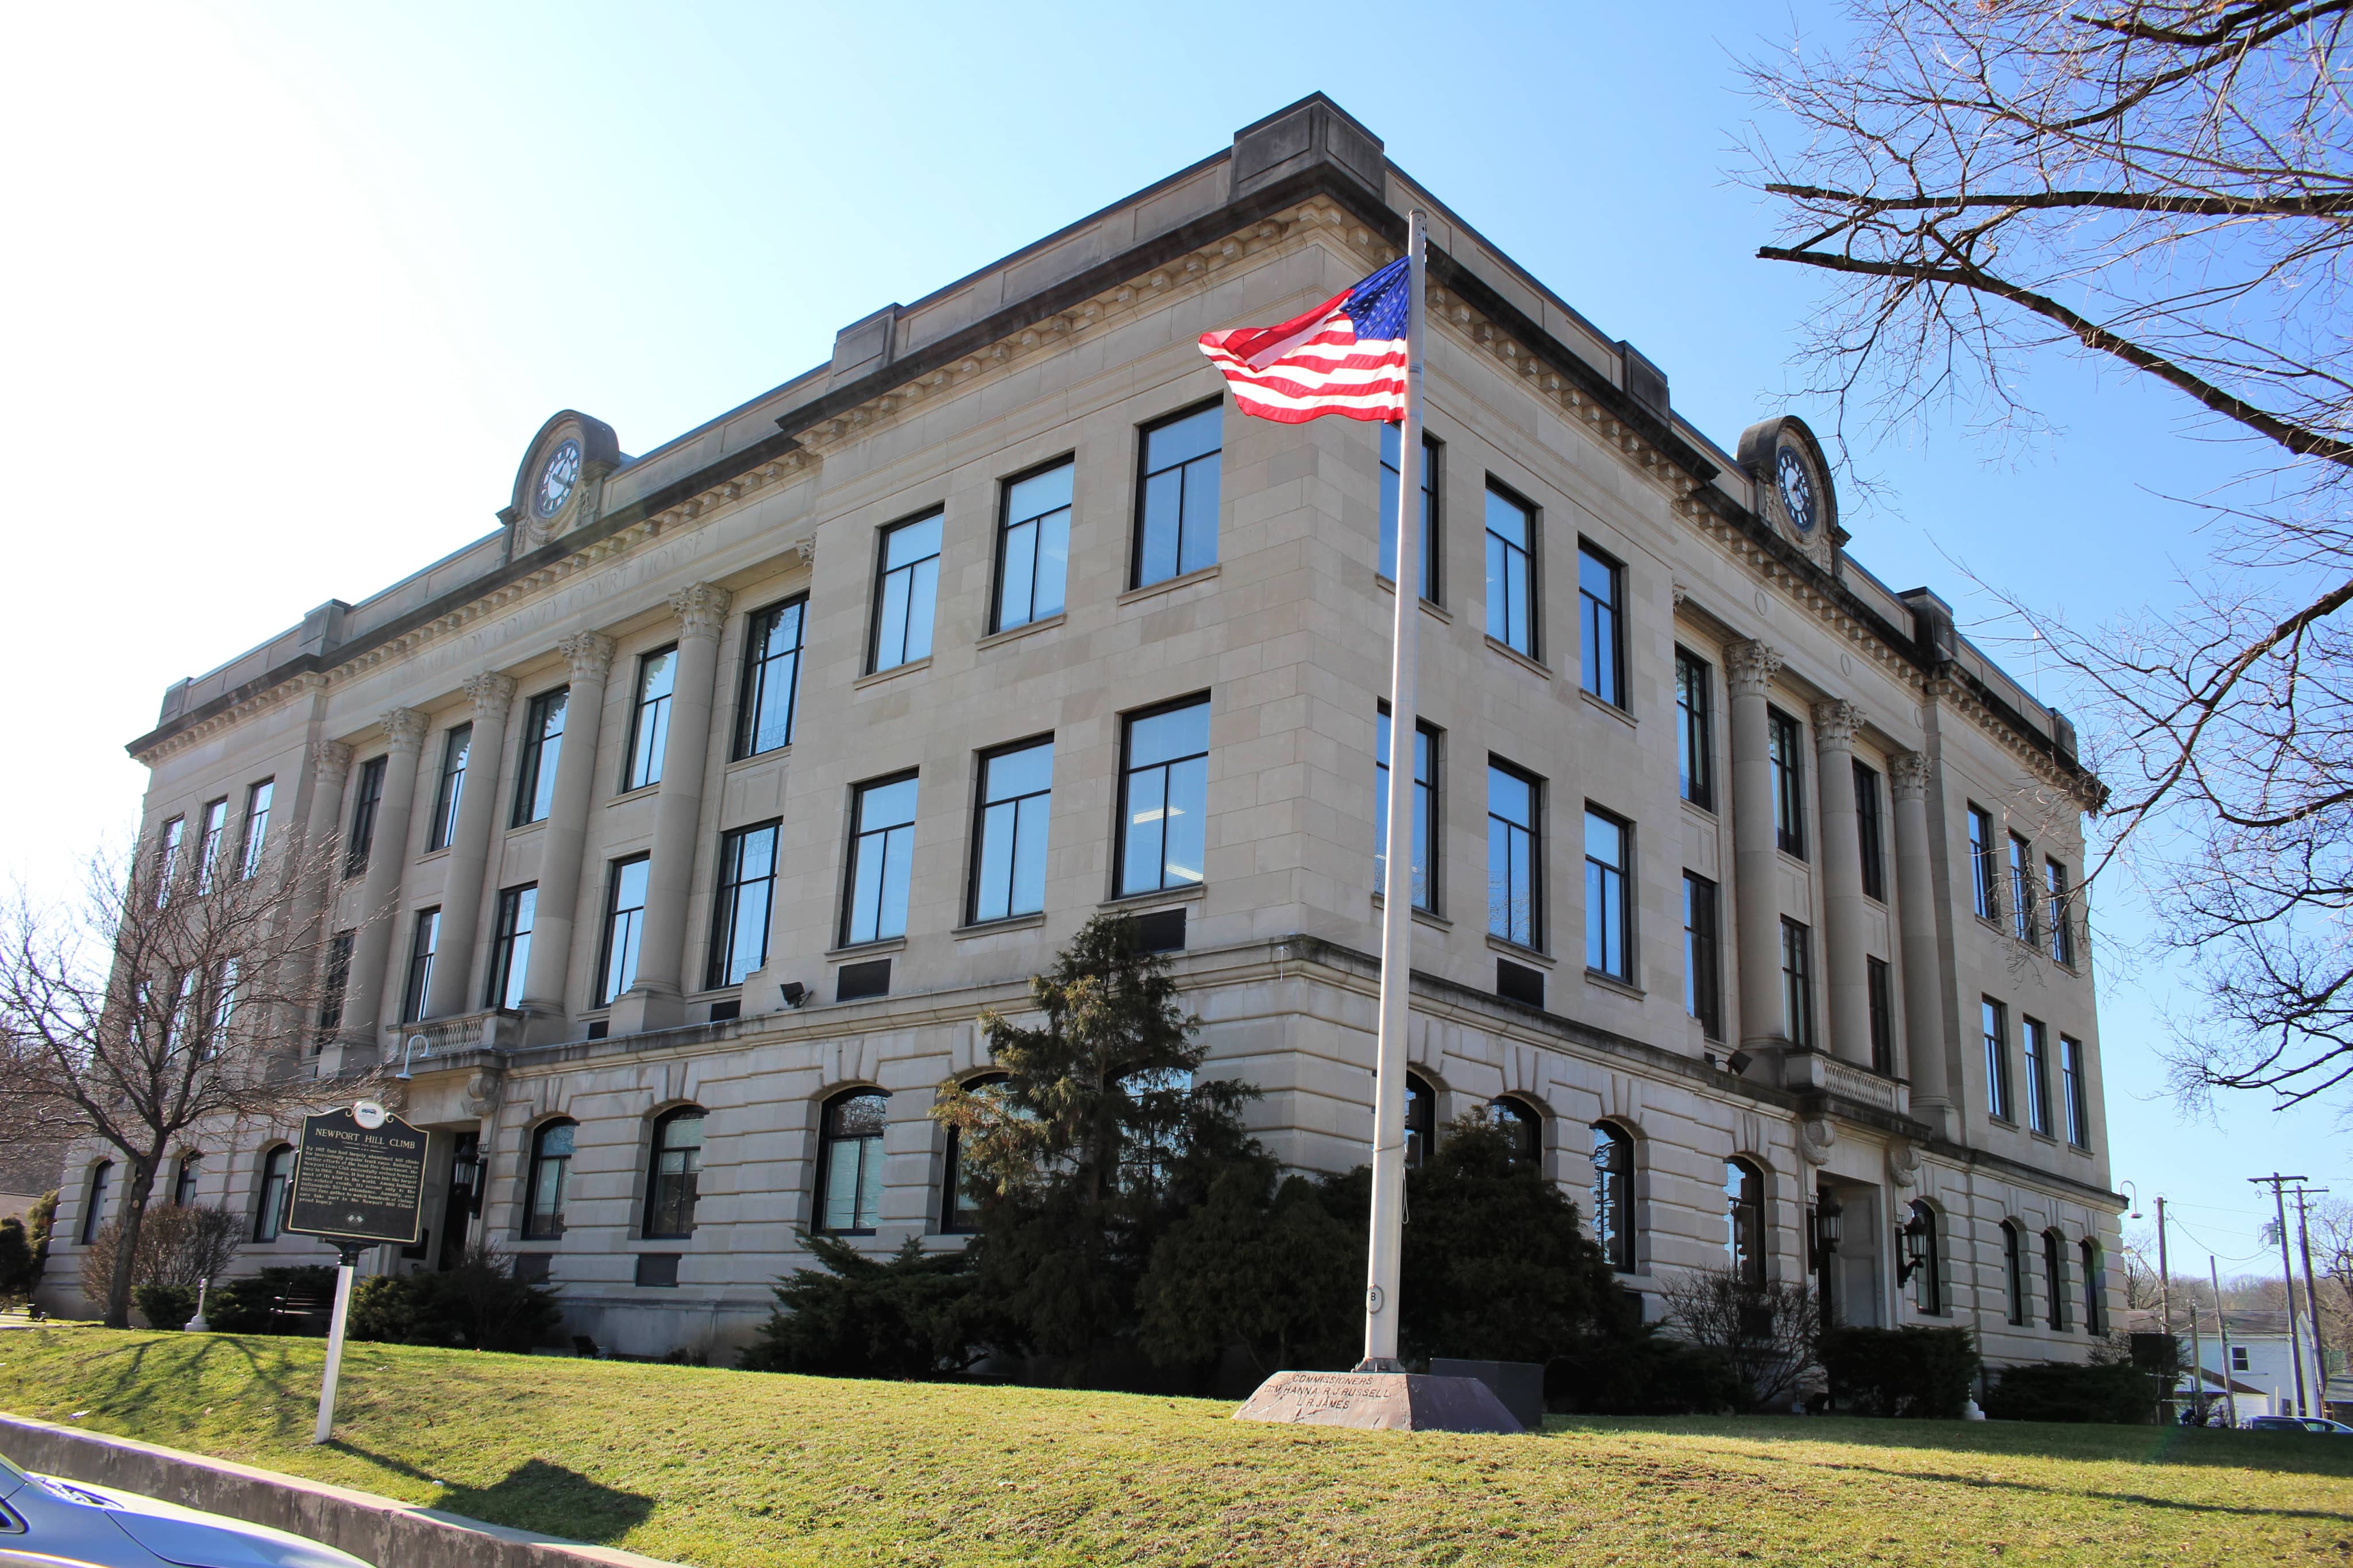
{"type": "Point", "coordinates": [721, 1469]}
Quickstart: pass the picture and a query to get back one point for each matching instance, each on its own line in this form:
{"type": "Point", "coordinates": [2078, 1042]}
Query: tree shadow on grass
{"type": "Point", "coordinates": [535, 1496]}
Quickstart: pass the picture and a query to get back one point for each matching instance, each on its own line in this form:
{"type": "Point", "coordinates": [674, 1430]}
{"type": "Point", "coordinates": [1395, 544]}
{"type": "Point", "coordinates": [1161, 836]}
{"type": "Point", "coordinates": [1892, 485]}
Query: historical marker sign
{"type": "Point", "coordinates": [357, 1182]}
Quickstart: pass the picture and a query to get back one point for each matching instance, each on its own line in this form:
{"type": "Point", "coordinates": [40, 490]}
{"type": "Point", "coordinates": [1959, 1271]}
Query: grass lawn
{"type": "Point", "coordinates": [722, 1468]}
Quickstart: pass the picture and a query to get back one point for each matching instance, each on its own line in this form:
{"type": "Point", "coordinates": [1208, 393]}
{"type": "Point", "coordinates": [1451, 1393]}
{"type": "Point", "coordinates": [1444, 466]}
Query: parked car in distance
{"type": "Point", "coordinates": [2299, 1424]}
{"type": "Point", "coordinates": [45, 1523]}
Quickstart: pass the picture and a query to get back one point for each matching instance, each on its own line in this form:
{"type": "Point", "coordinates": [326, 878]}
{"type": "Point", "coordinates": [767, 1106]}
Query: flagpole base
{"type": "Point", "coordinates": [1378, 1364]}
{"type": "Point", "coordinates": [1379, 1402]}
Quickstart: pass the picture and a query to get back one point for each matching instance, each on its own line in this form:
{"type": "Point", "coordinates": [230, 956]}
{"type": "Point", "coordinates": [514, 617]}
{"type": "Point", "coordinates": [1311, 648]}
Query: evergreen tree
{"type": "Point", "coordinates": [1095, 1144]}
{"type": "Point", "coordinates": [1270, 1267]}
{"type": "Point", "coordinates": [856, 1316]}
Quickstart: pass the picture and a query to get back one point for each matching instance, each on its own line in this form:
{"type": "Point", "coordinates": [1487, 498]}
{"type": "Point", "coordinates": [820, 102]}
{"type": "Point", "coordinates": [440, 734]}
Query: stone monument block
{"type": "Point", "coordinates": [1379, 1402]}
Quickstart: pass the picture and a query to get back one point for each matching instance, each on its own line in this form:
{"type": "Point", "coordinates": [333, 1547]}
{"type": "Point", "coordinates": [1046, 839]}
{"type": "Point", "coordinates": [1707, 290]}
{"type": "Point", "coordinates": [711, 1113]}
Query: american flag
{"type": "Point", "coordinates": [1346, 356]}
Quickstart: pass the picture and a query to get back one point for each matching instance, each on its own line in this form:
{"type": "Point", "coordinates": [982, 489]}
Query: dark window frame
{"type": "Point", "coordinates": [754, 688]}
{"type": "Point", "coordinates": [727, 902]}
{"type": "Point", "coordinates": [1427, 799]}
{"type": "Point", "coordinates": [277, 1177]}
{"type": "Point", "coordinates": [253, 835]}
{"type": "Point", "coordinates": [2023, 922]}
{"type": "Point", "coordinates": [1385, 543]}
{"type": "Point", "coordinates": [2094, 1259]}
{"type": "Point", "coordinates": [366, 800]}
{"type": "Point", "coordinates": [1128, 771]}
{"type": "Point", "coordinates": [1536, 834]}
{"type": "Point", "coordinates": [185, 1178]}
{"type": "Point", "coordinates": [1702, 954]}
{"type": "Point", "coordinates": [1531, 569]}
{"type": "Point", "coordinates": [884, 572]}
{"type": "Point", "coordinates": [1797, 1021]}
{"type": "Point", "coordinates": [1694, 728]}
{"type": "Point", "coordinates": [1879, 986]}
{"type": "Point", "coordinates": [955, 1218]}
{"type": "Point", "coordinates": [615, 871]}
{"type": "Point", "coordinates": [647, 752]}
{"type": "Point", "coordinates": [535, 781]}
{"type": "Point", "coordinates": [981, 808]}
{"type": "Point", "coordinates": [669, 1214]}
{"type": "Point", "coordinates": [506, 931]}
{"type": "Point", "coordinates": [449, 789]}
{"type": "Point", "coordinates": [548, 1226]}
{"type": "Point", "coordinates": [1590, 611]}
{"type": "Point", "coordinates": [1747, 1235]}
{"type": "Point", "coordinates": [1870, 831]}
{"type": "Point", "coordinates": [2013, 1266]}
{"type": "Point", "coordinates": [1984, 888]}
{"type": "Point", "coordinates": [2062, 925]}
{"type": "Point", "coordinates": [2034, 1057]}
{"type": "Point", "coordinates": [1618, 901]}
{"type": "Point", "coordinates": [1784, 750]}
{"type": "Point", "coordinates": [1523, 1122]}
{"type": "Point", "coordinates": [1993, 1027]}
{"type": "Point", "coordinates": [1615, 1229]}
{"type": "Point", "coordinates": [338, 977]}
{"type": "Point", "coordinates": [1006, 523]}
{"type": "Point", "coordinates": [1145, 473]}
{"type": "Point", "coordinates": [858, 792]}
{"type": "Point", "coordinates": [1928, 1295]}
{"type": "Point", "coordinates": [2057, 1315]}
{"type": "Point", "coordinates": [1421, 1120]}
{"type": "Point", "coordinates": [424, 944]}
{"type": "Point", "coordinates": [827, 1140]}
{"type": "Point", "coordinates": [2075, 1095]}
{"type": "Point", "coordinates": [94, 1191]}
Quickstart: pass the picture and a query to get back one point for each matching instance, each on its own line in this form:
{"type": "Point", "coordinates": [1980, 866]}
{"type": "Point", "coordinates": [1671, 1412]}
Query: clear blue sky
{"type": "Point", "coordinates": [289, 286]}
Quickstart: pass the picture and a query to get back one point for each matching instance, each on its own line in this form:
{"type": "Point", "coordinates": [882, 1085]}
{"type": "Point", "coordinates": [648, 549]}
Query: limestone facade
{"type": "Point", "coordinates": [1075, 348]}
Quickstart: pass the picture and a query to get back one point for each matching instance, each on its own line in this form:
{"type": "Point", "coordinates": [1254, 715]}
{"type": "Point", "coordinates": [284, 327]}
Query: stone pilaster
{"type": "Point", "coordinates": [1846, 909]}
{"type": "Point", "coordinates": [470, 846]}
{"type": "Point", "coordinates": [656, 1001]}
{"type": "Point", "coordinates": [566, 839]}
{"type": "Point", "coordinates": [372, 948]}
{"type": "Point", "coordinates": [1922, 1047]}
{"type": "Point", "coordinates": [1748, 671]}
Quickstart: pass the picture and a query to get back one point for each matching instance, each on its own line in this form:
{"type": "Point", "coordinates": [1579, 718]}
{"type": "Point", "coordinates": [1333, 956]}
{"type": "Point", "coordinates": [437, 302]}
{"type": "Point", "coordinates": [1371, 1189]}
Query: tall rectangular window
{"type": "Point", "coordinates": [1425, 774]}
{"type": "Point", "coordinates": [1798, 983]}
{"type": "Point", "coordinates": [2060, 917]}
{"type": "Point", "coordinates": [208, 842]}
{"type": "Point", "coordinates": [339, 973]}
{"type": "Point", "coordinates": [1511, 571]}
{"type": "Point", "coordinates": [1983, 896]}
{"type": "Point", "coordinates": [423, 939]}
{"type": "Point", "coordinates": [625, 921]}
{"type": "Point", "coordinates": [1009, 874]}
{"type": "Point", "coordinates": [1608, 844]}
{"type": "Point", "coordinates": [1600, 583]}
{"type": "Point", "coordinates": [256, 837]}
{"type": "Point", "coordinates": [649, 718]}
{"type": "Point", "coordinates": [882, 854]}
{"type": "Point", "coordinates": [739, 920]}
{"type": "Point", "coordinates": [2033, 1048]}
{"type": "Point", "coordinates": [1176, 496]}
{"type": "Point", "coordinates": [1033, 548]}
{"type": "Point", "coordinates": [1164, 798]}
{"type": "Point", "coordinates": [906, 592]}
{"type": "Point", "coordinates": [1873, 836]}
{"type": "Point", "coordinates": [1694, 731]}
{"type": "Point", "coordinates": [167, 857]}
{"type": "Point", "coordinates": [2073, 1092]}
{"type": "Point", "coordinates": [510, 945]}
{"type": "Point", "coordinates": [1995, 1024]}
{"type": "Point", "coordinates": [450, 793]}
{"type": "Point", "coordinates": [1515, 894]}
{"type": "Point", "coordinates": [1785, 745]}
{"type": "Point", "coordinates": [1390, 450]}
{"type": "Point", "coordinates": [542, 747]}
{"type": "Point", "coordinates": [1879, 984]}
{"type": "Point", "coordinates": [2021, 889]}
{"type": "Point", "coordinates": [366, 797]}
{"type": "Point", "coordinates": [1702, 964]}
{"type": "Point", "coordinates": [772, 678]}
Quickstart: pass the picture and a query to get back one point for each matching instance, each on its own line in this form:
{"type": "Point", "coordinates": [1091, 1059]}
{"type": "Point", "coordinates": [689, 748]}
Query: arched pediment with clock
{"type": "Point", "coordinates": [563, 469]}
{"type": "Point", "coordinates": [1793, 486]}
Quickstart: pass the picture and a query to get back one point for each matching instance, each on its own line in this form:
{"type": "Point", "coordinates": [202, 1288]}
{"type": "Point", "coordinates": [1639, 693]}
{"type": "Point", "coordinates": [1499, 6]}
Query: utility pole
{"type": "Point", "coordinates": [2229, 1386]}
{"type": "Point", "coordinates": [2312, 1298]}
{"type": "Point", "coordinates": [2287, 1277]}
{"type": "Point", "coordinates": [2198, 1363]}
{"type": "Point", "coordinates": [2165, 1294]}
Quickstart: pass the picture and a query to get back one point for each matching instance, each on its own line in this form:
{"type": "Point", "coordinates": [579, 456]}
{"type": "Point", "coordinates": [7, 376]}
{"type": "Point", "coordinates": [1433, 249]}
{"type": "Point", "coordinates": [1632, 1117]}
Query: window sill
{"type": "Point", "coordinates": [525, 826]}
{"type": "Point", "coordinates": [867, 949]}
{"type": "Point", "coordinates": [1430, 918]}
{"type": "Point", "coordinates": [995, 928]}
{"type": "Point", "coordinates": [1606, 706]}
{"type": "Point", "coordinates": [1045, 623]}
{"type": "Point", "coordinates": [783, 753]}
{"type": "Point", "coordinates": [1194, 892]}
{"type": "Point", "coordinates": [1799, 861]}
{"type": "Point", "coordinates": [1517, 656]}
{"type": "Point", "coordinates": [1596, 978]}
{"type": "Point", "coordinates": [1505, 944]}
{"type": "Point", "coordinates": [1430, 606]}
{"type": "Point", "coordinates": [627, 795]}
{"type": "Point", "coordinates": [1706, 811]}
{"type": "Point", "coordinates": [1169, 585]}
{"type": "Point", "coordinates": [880, 676]}
{"type": "Point", "coordinates": [440, 853]}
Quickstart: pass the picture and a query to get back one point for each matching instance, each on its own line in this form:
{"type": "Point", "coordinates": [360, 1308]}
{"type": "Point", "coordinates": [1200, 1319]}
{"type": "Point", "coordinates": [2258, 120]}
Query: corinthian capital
{"type": "Point", "coordinates": [1749, 667]}
{"type": "Point", "coordinates": [492, 694]}
{"type": "Point", "coordinates": [1835, 723]}
{"type": "Point", "coordinates": [591, 655]}
{"type": "Point", "coordinates": [702, 608]}
{"type": "Point", "coordinates": [332, 765]}
{"type": "Point", "coordinates": [1907, 774]}
{"type": "Point", "coordinates": [404, 727]}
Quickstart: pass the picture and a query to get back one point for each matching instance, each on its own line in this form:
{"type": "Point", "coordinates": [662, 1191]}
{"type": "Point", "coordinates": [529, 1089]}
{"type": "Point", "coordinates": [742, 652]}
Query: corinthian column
{"type": "Point", "coordinates": [362, 1035]}
{"type": "Point", "coordinates": [655, 1002]}
{"type": "Point", "coordinates": [1849, 982]}
{"type": "Point", "coordinates": [470, 846]}
{"type": "Point", "coordinates": [567, 837]}
{"type": "Point", "coordinates": [1922, 1054]}
{"type": "Point", "coordinates": [1748, 671]}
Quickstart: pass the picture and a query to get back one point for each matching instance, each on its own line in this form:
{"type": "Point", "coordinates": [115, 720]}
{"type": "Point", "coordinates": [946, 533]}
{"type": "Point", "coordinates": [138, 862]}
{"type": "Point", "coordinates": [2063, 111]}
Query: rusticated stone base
{"type": "Point", "coordinates": [1379, 1402]}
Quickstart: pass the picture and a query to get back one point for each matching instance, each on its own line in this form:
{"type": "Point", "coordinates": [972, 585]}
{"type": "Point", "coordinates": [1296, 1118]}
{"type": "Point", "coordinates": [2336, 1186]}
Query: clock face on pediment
{"type": "Point", "coordinates": [557, 477]}
{"type": "Point", "coordinates": [1796, 480]}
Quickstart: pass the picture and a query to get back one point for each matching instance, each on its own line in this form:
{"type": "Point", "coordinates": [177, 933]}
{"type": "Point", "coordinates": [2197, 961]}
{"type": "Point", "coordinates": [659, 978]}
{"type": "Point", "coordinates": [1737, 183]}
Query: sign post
{"type": "Point", "coordinates": [359, 1180]}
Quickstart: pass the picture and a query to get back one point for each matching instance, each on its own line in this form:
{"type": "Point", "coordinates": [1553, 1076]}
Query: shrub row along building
{"type": "Point", "coordinates": [714, 795]}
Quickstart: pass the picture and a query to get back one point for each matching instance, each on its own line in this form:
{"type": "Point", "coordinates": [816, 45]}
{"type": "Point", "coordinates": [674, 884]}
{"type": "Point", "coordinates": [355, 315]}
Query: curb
{"type": "Point", "coordinates": [378, 1530]}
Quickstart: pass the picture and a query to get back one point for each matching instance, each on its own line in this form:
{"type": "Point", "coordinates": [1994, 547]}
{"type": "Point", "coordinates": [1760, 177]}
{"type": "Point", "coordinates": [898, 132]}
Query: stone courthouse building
{"type": "Point", "coordinates": [702, 806]}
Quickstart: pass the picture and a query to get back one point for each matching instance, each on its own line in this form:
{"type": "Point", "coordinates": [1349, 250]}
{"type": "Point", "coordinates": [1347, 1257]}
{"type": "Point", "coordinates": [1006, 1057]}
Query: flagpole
{"type": "Point", "coordinates": [1383, 1254]}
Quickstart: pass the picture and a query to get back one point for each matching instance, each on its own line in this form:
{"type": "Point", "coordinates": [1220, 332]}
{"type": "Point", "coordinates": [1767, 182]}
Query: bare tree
{"type": "Point", "coordinates": [2166, 185]}
{"type": "Point", "coordinates": [1767, 1333]}
{"type": "Point", "coordinates": [177, 996]}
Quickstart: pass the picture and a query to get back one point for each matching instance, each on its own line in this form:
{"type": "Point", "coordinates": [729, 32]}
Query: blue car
{"type": "Point", "coordinates": [45, 1523]}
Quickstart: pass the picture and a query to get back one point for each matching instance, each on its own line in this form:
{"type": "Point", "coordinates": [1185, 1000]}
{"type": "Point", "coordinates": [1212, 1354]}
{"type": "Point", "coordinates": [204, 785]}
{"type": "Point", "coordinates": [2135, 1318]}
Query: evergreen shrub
{"type": "Point", "coordinates": [1914, 1371]}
